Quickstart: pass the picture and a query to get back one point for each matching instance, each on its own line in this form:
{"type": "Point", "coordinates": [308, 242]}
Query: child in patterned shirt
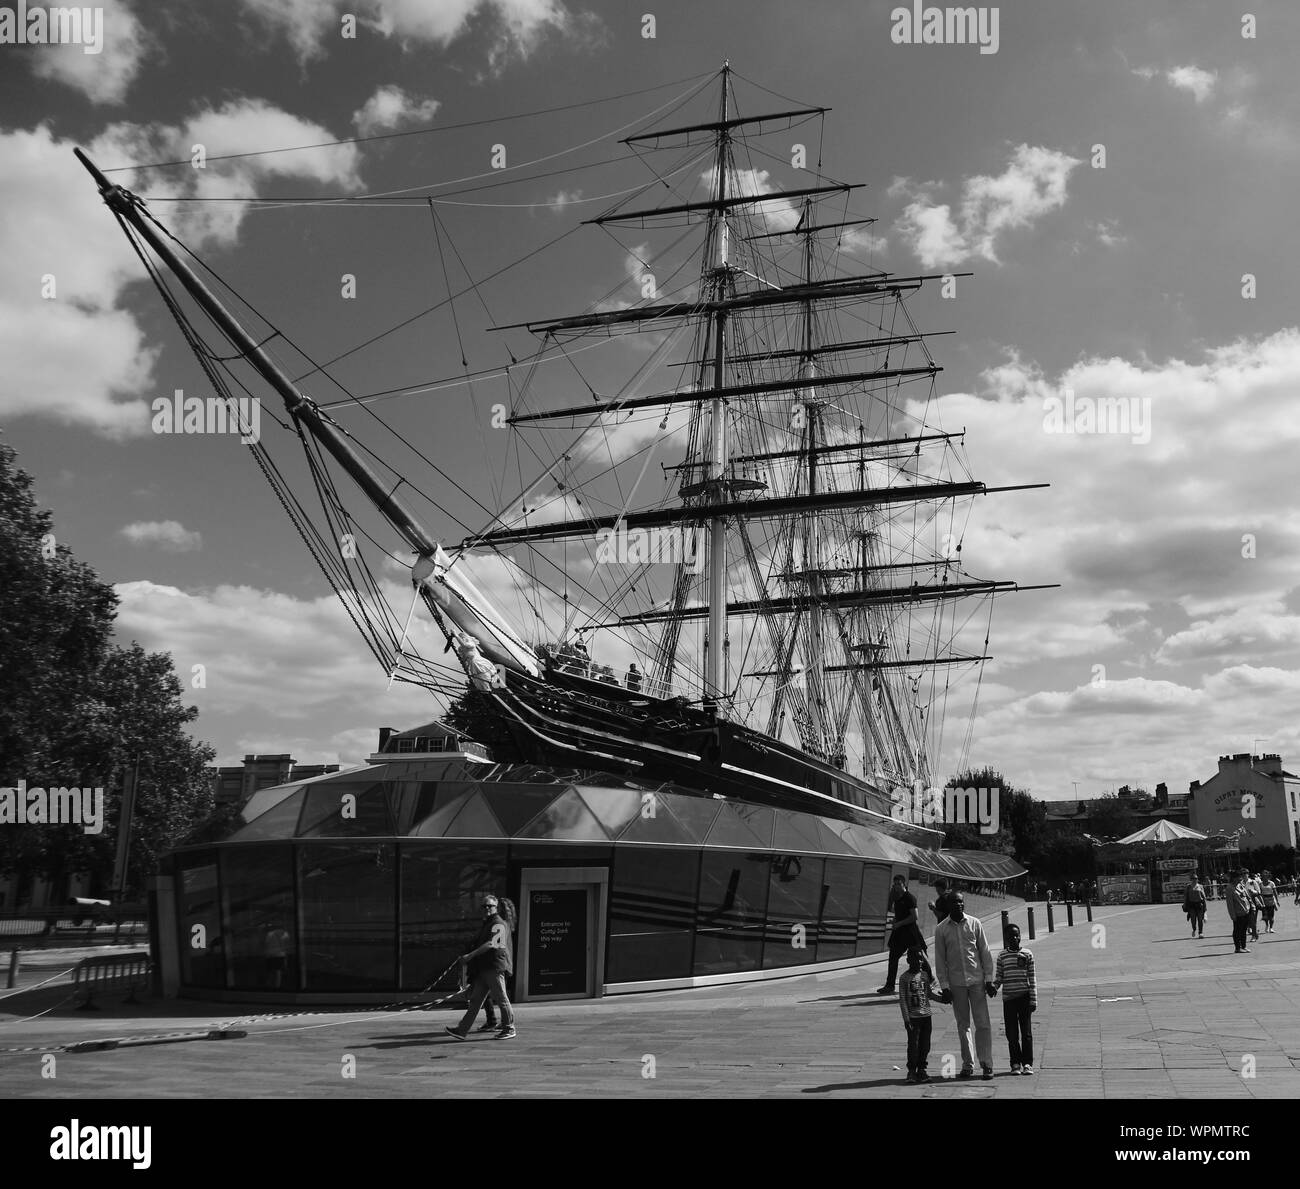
{"type": "Point", "coordinates": [915, 990]}
{"type": "Point", "coordinates": [1015, 979]}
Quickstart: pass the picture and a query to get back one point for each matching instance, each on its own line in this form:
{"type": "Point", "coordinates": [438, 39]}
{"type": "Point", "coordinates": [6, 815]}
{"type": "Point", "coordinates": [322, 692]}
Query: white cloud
{"type": "Point", "coordinates": [79, 357]}
{"type": "Point", "coordinates": [1192, 78]}
{"type": "Point", "coordinates": [389, 108]}
{"type": "Point", "coordinates": [860, 242]}
{"type": "Point", "coordinates": [287, 669]}
{"type": "Point", "coordinates": [169, 535]}
{"type": "Point", "coordinates": [1032, 185]}
{"type": "Point", "coordinates": [104, 77]}
{"type": "Point", "coordinates": [514, 28]}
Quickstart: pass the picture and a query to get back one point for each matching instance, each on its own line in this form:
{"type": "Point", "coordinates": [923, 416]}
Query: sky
{"type": "Point", "coordinates": [1118, 176]}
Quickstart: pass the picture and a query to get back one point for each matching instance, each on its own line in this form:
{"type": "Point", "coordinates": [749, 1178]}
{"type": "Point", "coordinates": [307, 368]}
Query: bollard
{"type": "Point", "coordinates": [1069, 914]}
{"type": "Point", "coordinates": [1051, 924]}
{"type": "Point", "coordinates": [1006, 921]}
{"type": "Point", "coordinates": [1088, 905]}
{"type": "Point", "coordinates": [15, 960]}
{"type": "Point", "coordinates": [1031, 922]}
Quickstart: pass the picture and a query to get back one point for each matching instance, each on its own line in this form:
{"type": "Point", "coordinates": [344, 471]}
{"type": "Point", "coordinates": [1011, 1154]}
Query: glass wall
{"type": "Point", "coordinates": [872, 907]}
{"type": "Point", "coordinates": [794, 906]}
{"type": "Point", "coordinates": [198, 916]}
{"type": "Point", "coordinates": [442, 886]}
{"type": "Point", "coordinates": [732, 911]}
{"type": "Point", "coordinates": [841, 898]}
{"type": "Point", "coordinates": [348, 897]}
{"type": "Point", "coordinates": [652, 914]}
{"type": "Point", "coordinates": [257, 906]}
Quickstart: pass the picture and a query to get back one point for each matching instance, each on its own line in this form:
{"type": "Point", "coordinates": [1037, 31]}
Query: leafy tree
{"type": "Point", "coordinates": [472, 715]}
{"type": "Point", "coordinates": [75, 709]}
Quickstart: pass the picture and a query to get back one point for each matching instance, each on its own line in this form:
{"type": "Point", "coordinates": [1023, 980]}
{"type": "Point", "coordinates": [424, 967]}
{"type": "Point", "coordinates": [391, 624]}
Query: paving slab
{"type": "Point", "coordinates": [1149, 1014]}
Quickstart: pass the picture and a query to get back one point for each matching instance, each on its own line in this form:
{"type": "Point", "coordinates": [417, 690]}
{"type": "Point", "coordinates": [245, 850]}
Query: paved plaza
{"type": "Point", "coordinates": [1130, 1007]}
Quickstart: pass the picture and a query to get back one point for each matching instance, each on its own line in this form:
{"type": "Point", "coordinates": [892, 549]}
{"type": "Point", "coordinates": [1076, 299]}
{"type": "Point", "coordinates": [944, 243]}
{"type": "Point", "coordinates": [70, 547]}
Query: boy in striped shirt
{"type": "Point", "coordinates": [1015, 979]}
{"type": "Point", "coordinates": [915, 990]}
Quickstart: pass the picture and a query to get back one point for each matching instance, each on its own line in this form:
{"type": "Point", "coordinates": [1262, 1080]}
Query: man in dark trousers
{"type": "Point", "coordinates": [905, 933]}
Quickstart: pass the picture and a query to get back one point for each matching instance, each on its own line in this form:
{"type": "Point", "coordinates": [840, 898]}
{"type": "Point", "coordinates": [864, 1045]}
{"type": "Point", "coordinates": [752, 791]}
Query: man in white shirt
{"type": "Point", "coordinates": [964, 967]}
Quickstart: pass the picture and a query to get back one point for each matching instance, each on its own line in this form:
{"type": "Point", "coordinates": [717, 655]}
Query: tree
{"type": "Point", "coordinates": [969, 836]}
{"type": "Point", "coordinates": [471, 714]}
{"type": "Point", "coordinates": [1111, 817]}
{"type": "Point", "coordinates": [75, 710]}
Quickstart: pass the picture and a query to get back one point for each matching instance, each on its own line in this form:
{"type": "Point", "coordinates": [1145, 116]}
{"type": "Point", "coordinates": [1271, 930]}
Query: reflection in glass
{"type": "Point", "coordinates": [733, 901]}
{"type": "Point", "coordinates": [837, 937]}
{"type": "Point", "coordinates": [346, 809]}
{"type": "Point", "coordinates": [872, 907]}
{"type": "Point", "coordinates": [198, 917]}
{"type": "Point", "coordinates": [794, 906]}
{"type": "Point", "coordinates": [257, 907]}
{"type": "Point", "coordinates": [441, 889]}
{"type": "Point", "coordinates": [349, 918]}
{"type": "Point", "coordinates": [651, 914]}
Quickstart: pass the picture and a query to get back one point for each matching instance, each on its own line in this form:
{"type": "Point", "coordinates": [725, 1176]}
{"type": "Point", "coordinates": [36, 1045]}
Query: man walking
{"type": "Point", "coordinates": [906, 932]}
{"type": "Point", "coordinates": [1256, 900]}
{"type": "Point", "coordinates": [963, 966]}
{"type": "Point", "coordinates": [1238, 897]}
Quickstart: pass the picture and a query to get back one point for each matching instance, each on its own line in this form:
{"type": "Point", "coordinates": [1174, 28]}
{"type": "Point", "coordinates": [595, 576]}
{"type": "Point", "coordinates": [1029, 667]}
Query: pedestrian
{"type": "Point", "coordinates": [1238, 898]}
{"type": "Point", "coordinates": [905, 933]}
{"type": "Point", "coordinates": [1268, 900]}
{"type": "Point", "coordinates": [964, 968]}
{"type": "Point", "coordinates": [942, 900]}
{"type": "Point", "coordinates": [1194, 906]}
{"type": "Point", "coordinates": [492, 943]}
{"type": "Point", "coordinates": [915, 991]}
{"type": "Point", "coordinates": [634, 678]}
{"type": "Point", "coordinates": [1256, 899]}
{"type": "Point", "coordinates": [1015, 979]}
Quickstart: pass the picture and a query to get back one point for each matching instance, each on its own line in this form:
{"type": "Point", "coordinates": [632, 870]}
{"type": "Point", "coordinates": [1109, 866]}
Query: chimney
{"type": "Point", "coordinates": [1271, 763]}
{"type": "Point", "coordinates": [1191, 788]}
{"type": "Point", "coordinates": [384, 734]}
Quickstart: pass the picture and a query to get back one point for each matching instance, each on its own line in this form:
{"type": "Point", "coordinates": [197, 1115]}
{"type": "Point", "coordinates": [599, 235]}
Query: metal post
{"type": "Point", "coordinates": [1031, 922]}
{"type": "Point", "coordinates": [15, 960]}
{"type": "Point", "coordinates": [1088, 905]}
{"type": "Point", "coordinates": [1069, 914]}
{"type": "Point", "coordinates": [1051, 924]}
{"type": "Point", "coordinates": [1006, 921]}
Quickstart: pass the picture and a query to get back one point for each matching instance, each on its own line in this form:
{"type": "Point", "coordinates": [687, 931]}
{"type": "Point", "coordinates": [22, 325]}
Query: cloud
{"type": "Point", "coordinates": [562, 198]}
{"type": "Point", "coordinates": [72, 352]}
{"type": "Point", "coordinates": [169, 535]}
{"type": "Point", "coordinates": [1032, 185]}
{"type": "Point", "coordinates": [512, 28]}
{"type": "Point", "coordinates": [858, 241]}
{"type": "Point", "coordinates": [274, 666]}
{"type": "Point", "coordinates": [389, 108]}
{"type": "Point", "coordinates": [1192, 78]}
{"type": "Point", "coordinates": [104, 77]}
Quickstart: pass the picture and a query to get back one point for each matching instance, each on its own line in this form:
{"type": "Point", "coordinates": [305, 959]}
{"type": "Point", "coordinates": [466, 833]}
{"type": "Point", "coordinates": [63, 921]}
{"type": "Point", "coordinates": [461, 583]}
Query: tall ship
{"type": "Point", "coordinates": [710, 633]}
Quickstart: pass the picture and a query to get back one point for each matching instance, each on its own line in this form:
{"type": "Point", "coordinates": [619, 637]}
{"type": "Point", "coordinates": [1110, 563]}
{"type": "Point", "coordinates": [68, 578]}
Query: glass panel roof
{"type": "Point", "coordinates": [475, 820]}
{"type": "Point", "coordinates": [568, 819]}
{"type": "Point", "coordinates": [278, 822]}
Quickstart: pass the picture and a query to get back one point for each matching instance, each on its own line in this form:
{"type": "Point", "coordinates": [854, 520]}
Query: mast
{"type": "Point", "coordinates": [715, 641]}
{"type": "Point", "coordinates": [813, 653]}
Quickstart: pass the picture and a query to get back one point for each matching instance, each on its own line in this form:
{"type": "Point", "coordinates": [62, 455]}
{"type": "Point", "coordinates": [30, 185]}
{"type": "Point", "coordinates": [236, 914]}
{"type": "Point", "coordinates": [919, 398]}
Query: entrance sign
{"type": "Point", "coordinates": [557, 941]}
